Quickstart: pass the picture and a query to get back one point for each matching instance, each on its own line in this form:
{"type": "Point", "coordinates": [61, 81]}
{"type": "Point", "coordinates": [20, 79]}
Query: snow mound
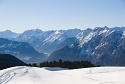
{"type": "Point", "coordinates": [31, 75]}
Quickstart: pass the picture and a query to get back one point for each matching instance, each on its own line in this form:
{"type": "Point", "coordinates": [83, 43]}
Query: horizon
{"type": "Point", "coordinates": [22, 15]}
{"type": "Point", "coordinates": [59, 29]}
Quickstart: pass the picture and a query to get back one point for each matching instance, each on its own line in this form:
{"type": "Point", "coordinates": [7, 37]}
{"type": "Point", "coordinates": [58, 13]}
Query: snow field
{"type": "Point", "coordinates": [32, 75]}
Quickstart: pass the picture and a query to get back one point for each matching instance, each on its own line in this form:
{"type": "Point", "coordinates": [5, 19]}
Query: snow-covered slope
{"type": "Point", "coordinates": [33, 36]}
{"type": "Point", "coordinates": [49, 41]}
{"type": "Point", "coordinates": [46, 41]}
{"type": "Point", "coordinates": [52, 43]}
{"type": "Point", "coordinates": [102, 46]}
{"type": "Point", "coordinates": [30, 75]}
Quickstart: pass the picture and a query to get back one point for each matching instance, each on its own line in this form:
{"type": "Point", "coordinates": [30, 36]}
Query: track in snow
{"type": "Point", "coordinates": [9, 74]}
{"type": "Point", "coordinates": [31, 75]}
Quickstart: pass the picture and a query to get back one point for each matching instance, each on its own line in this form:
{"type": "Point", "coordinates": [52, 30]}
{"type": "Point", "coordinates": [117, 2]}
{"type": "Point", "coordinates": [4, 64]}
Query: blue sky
{"type": "Point", "coordinates": [20, 15]}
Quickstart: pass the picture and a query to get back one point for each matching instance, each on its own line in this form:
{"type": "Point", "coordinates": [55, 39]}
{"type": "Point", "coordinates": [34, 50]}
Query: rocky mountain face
{"type": "Point", "coordinates": [28, 45]}
{"type": "Point", "coordinates": [58, 40]}
{"type": "Point", "coordinates": [50, 41]}
{"type": "Point", "coordinates": [34, 37]}
{"type": "Point", "coordinates": [102, 46]}
{"type": "Point", "coordinates": [21, 50]}
{"type": "Point", "coordinates": [47, 41]}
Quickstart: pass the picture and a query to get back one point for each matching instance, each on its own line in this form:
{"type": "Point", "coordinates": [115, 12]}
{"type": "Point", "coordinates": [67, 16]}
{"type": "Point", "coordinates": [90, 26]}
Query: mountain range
{"type": "Point", "coordinates": [21, 50]}
{"type": "Point", "coordinates": [102, 45]}
{"type": "Point", "coordinates": [47, 41]}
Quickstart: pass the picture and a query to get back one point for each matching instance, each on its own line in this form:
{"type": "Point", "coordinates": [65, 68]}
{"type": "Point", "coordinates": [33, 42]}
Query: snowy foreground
{"type": "Point", "coordinates": [30, 75]}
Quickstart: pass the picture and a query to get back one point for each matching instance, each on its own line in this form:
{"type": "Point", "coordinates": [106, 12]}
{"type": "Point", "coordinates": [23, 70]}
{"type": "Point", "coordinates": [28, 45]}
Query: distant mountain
{"type": "Point", "coordinates": [47, 41]}
{"type": "Point", "coordinates": [50, 41]}
{"type": "Point", "coordinates": [56, 40]}
{"type": "Point", "coordinates": [33, 37]}
{"type": "Point", "coordinates": [69, 52]}
{"type": "Point", "coordinates": [8, 34]}
{"type": "Point", "coordinates": [21, 50]}
{"type": "Point", "coordinates": [53, 47]}
{"type": "Point", "coordinates": [9, 60]}
{"type": "Point", "coordinates": [102, 46]}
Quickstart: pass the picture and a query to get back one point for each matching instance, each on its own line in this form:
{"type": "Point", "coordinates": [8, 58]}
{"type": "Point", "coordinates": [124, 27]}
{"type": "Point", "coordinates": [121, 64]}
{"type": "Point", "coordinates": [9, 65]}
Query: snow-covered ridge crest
{"type": "Point", "coordinates": [101, 30]}
{"type": "Point", "coordinates": [50, 40]}
{"type": "Point", "coordinates": [102, 46]}
{"type": "Point", "coordinates": [61, 35]}
{"type": "Point", "coordinates": [42, 40]}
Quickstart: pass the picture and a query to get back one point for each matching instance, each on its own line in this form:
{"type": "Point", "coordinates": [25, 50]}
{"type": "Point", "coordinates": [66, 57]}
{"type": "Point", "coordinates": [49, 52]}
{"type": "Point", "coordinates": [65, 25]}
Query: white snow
{"type": "Point", "coordinates": [71, 46]}
{"type": "Point", "coordinates": [123, 34]}
{"type": "Point", "coordinates": [59, 36]}
{"type": "Point", "coordinates": [30, 75]}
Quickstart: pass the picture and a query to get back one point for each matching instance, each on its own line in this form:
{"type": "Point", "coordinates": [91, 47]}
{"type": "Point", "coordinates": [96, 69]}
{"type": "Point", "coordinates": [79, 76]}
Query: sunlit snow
{"type": "Point", "coordinates": [30, 75]}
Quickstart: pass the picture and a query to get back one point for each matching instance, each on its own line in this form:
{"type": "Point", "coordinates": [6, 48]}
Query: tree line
{"type": "Point", "coordinates": [67, 64]}
{"type": "Point", "coordinates": [60, 63]}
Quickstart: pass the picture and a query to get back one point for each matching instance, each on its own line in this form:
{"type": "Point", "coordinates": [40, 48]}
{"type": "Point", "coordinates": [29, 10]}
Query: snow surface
{"type": "Point", "coordinates": [30, 75]}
